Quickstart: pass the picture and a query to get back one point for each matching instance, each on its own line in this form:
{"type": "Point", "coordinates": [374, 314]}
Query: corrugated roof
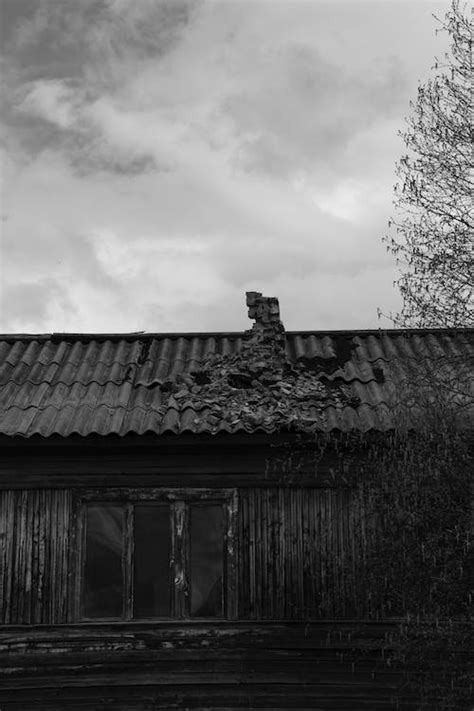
{"type": "Point", "coordinates": [146, 383]}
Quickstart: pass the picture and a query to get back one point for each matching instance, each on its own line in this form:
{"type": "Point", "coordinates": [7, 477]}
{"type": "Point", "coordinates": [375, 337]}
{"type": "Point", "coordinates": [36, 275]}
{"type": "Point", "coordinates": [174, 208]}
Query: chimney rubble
{"type": "Point", "coordinates": [267, 329]}
{"type": "Point", "coordinates": [256, 385]}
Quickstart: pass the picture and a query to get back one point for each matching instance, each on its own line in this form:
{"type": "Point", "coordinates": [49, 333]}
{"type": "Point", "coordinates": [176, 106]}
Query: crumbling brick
{"type": "Point", "coordinates": [267, 327]}
{"type": "Point", "coordinates": [258, 386]}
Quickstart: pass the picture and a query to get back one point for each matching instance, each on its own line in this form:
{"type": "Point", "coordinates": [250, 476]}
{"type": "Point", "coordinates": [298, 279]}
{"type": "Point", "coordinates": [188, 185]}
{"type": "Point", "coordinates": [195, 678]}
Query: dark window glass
{"type": "Point", "coordinates": [151, 561]}
{"type": "Point", "coordinates": [207, 560]}
{"type": "Point", "coordinates": [103, 577]}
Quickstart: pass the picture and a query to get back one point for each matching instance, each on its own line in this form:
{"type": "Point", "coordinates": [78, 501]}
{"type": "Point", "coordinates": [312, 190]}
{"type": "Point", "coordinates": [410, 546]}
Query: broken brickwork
{"type": "Point", "coordinates": [267, 330]}
{"type": "Point", "coordinates": [259, 386]}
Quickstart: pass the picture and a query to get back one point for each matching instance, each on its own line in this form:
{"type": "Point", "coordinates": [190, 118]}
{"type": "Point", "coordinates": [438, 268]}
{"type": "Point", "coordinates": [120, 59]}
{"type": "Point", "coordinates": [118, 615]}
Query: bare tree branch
{"type": "Point", "coordinates": [433, 243]}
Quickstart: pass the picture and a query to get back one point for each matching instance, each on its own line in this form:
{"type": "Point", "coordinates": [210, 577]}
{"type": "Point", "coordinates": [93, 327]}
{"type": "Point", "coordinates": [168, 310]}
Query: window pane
{"type": "Point", "coordinates": [103, 578]}
{"type": "Point", "coordinates": [207, 560]}
{"type": "Point", "coordinates": [152, 561]}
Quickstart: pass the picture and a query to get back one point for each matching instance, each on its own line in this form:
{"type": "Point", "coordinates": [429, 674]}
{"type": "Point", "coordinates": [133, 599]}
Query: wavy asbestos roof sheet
{"type": "Point", "coordinates": [143, 383]}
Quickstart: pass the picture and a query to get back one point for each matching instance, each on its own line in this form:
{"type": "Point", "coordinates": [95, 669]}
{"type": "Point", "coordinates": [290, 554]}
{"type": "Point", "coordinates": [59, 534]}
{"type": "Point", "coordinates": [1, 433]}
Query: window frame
{"type": "Point", "coordinates": [179, 499]}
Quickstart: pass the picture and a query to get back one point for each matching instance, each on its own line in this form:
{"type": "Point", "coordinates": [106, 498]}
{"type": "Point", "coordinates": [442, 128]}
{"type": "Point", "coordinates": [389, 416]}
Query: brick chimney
{"type": "Point", "coordinates": [267, 329]}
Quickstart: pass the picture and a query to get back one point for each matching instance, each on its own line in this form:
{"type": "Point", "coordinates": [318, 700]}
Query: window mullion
{"type": "Point", "coordinates": [128, 563]}
{"type": "Point", "coordinates": [179, 543]}
{"type": "Point", "coordinates": [230, 589]}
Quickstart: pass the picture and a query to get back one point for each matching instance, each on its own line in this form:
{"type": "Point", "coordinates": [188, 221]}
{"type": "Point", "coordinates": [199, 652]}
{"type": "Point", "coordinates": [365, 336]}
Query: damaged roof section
{"type": "Point", "coordinates": [261, 380]}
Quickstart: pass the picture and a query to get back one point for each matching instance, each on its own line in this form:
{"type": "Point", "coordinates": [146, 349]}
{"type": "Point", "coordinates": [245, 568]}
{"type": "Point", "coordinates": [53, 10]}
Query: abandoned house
{"type": "Point", "coordinates": [160, 545]}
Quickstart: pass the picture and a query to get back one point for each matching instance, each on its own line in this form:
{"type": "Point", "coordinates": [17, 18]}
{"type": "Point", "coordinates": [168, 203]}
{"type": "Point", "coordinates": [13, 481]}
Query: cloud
{"type": "Point", "coordinates": [162, 157]}
{"type": "Point", "coordinates": [30, 303]}
{"type": "Point", "coordinates": [52, 101]}
{"type": "Point", "coordinates": [91, 39]}
{"type": "Point", "coordinates": [301, 111]}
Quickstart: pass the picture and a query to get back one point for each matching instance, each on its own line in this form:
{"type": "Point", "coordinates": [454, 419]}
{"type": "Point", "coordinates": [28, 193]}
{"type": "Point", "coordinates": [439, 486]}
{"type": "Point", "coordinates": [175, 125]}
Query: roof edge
{"type": "Point", "coordinates": [142, 335]}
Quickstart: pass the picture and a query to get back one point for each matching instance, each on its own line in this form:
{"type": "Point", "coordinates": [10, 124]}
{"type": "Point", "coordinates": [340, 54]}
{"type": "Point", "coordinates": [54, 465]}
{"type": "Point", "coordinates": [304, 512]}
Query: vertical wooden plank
{"type": "Point", "coordinates": [5, 536]}
{"type": "Point", "coordinates": [59, 542]}
{"type": "Point", "coordinates": [273, 577]}
{"type": "Point", "coordinates": [334, 515]}
{"type": "Point", "coordinates": [263, 544]}
{"type": "Point", "coordinates": [3, 544]}
{"type": "Point", "coordinates": [67, 509]}
{"type": "Point", "coordinates": [252, 580]}
{"type": "Point", "coordinates": [36, 572]}
{"type": "Point", "coordinates": [127, 561]}
{"type": "Point", "coordinates": [346, 538]}
{"type": "Point", "coordinates": [297, 559]}
{"type": "Point", "coordinates": [52, 548]}
{"type": "Point", "coordinates": [342, 554]}
{"type": "Point", "coordinates": [297, 607]}
{"type": "Point", "coordinates": [258, 553]}
{"type": "Point", "coordinates": [28, 560]}
{"type": "Point", "coordinates": [232, 552]}
{"type": "Point", "coordinates": [39, 566]}
{"type": "Point", "coordinates": [291, 553]}
{"type": "Point", "coordinates": [316, 551]}
{"type": "Point", "coordinates": [30, 580]}
{"type": "Point", "coordinates": [20, 545]}
{"type": "Point", "coordinates": [278, 556]}
{"type": "Point", "coordinates": [15, 558]}
{"type": "Point", "coordinates": [305, 594]}
{"type": "Point", "coordinates": [81, 561]}
{"type": "Point", "coordinates": [7, 520]}
{"type": "Point", "coordinates": [323, 552]}
{"type": "Point", "coordinates": [331, 522]}
{"type": "Point", "coordinates": [363, 550]}
{"type": "Point", "coordinates": [243, 550]}
{"type": "Point", "coordinates": [288, 555]}
{"type": "Point", "coordinates": [300, 524]}
{"type": "Point", "coordinates": [334, 510]}
{"type": "Point", "coordinates": [55, 549]}
{"type": "Point", "coordinates": [46, 524]}
{"type": "Point", "coordinates": [316, 537]}
{"type": "Point", "coordinates": [73, 559]}
{"type": "Point", "coordinates": [283, 539]}
{"type": "Point", "coordinates": [283, 548]}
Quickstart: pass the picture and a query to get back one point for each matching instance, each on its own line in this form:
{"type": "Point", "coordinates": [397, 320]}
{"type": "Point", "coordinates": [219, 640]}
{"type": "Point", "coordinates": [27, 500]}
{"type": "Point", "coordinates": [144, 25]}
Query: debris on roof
{"type": "Point", "coordinates": [258, 386]}
{"type": "Point", "coordinates": [264, 379]}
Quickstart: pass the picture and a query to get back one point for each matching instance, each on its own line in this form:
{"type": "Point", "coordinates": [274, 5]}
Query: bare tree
{"type": "Point", "coordinates": [433, 243]}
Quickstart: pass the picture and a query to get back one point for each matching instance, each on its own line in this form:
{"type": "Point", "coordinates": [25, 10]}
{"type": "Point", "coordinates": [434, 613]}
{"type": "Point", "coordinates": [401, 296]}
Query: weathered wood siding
{"type": "Point", "coordinates": [35, 528]}
{"type": "Point", "coordinates": [222, 666]}
{"type": "Point", "coordinates": [297, 553]}
{"type": "Point", "coordinates": [294, 565]}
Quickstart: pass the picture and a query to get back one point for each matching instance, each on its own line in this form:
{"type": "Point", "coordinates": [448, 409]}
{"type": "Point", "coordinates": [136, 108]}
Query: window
{"type": "Point", "coordinates": [156, 554]}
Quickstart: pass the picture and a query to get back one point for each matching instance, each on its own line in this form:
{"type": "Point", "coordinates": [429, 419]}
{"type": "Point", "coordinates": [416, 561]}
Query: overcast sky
{"type": "Point", "coordinates": [161, 158]}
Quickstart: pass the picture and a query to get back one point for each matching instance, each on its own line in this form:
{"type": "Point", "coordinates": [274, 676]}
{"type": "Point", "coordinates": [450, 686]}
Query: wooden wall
{"type": "Point", "coordinates": [222, 666]}
{"type": "Point", "coordinates": [296, 554]}
{"type": "Point", "coordinates": [35, 527]}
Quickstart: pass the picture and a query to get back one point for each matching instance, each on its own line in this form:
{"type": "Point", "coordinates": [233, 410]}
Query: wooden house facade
{"type": "Point", "coordinates": [159, 546]}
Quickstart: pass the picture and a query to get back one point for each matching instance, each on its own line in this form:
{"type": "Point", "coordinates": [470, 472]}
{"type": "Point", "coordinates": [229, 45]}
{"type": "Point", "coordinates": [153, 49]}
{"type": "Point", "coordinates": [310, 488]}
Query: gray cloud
{"type": "Point", "coordinates": [30, 301]}
{"type": "Point", "coordinates": [163, 157]}
{"type": "Point", "coordinates": [81, 49]}
{"type": "Point", "coordinates": [301, 111]}
{"type": "Point", "coordinates": [64, 38]}
{"type": "Point", "coordinates": [51, 254]}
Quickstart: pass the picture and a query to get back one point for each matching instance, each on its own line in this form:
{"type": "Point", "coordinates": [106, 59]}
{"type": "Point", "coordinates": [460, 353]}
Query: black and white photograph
{"type": "Point", "coordinates": [236, 355]}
